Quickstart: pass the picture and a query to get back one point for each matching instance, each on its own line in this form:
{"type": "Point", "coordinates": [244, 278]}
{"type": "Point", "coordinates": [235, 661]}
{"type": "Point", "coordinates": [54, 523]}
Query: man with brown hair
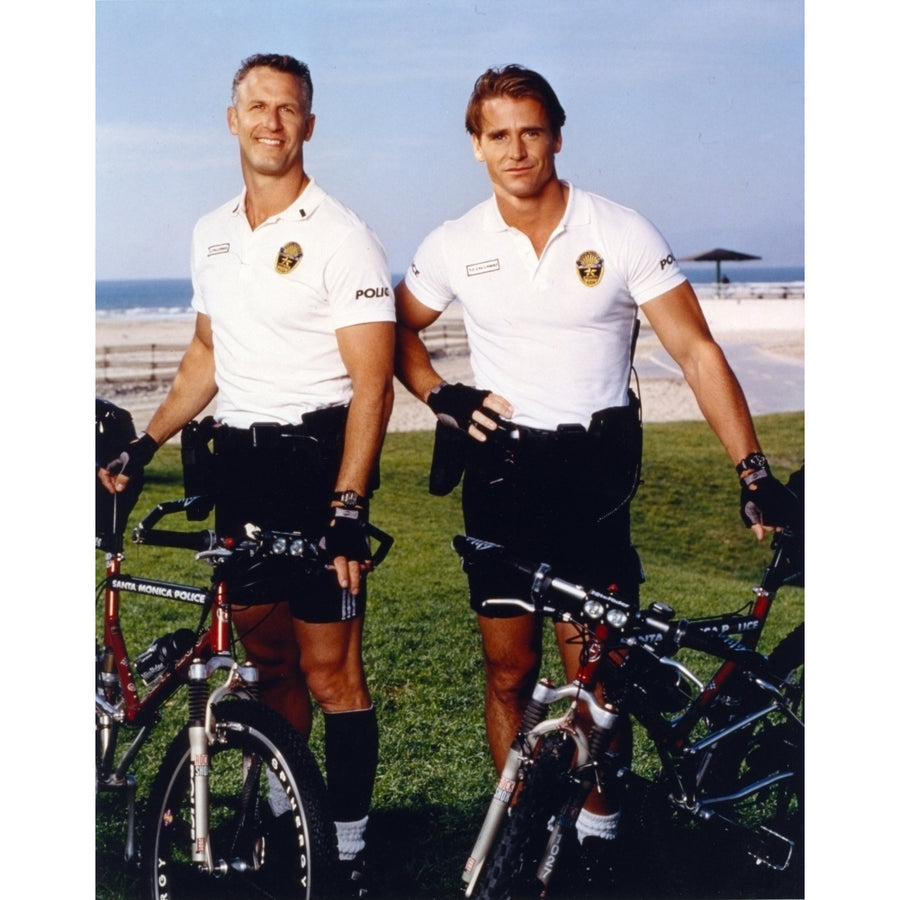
{"type": "Point", "coordinates": [550, 279]}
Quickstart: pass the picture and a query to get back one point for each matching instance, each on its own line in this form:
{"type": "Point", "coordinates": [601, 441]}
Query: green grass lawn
{"type": "Point", "coordinates": [422, 648]}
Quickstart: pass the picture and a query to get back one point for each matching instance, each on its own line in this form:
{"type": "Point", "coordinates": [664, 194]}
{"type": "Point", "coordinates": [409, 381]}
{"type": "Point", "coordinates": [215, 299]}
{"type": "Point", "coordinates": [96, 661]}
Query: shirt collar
{"type": "Point", "coordinates": [576, 212]}
{"type": "Point", "coordinates": [301, 209]}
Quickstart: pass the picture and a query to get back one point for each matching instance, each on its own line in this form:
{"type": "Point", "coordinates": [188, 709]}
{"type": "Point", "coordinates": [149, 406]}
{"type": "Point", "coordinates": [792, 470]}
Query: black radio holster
{"type": "Point", "coordinates": [448, 459]}
{"type": "Point", "coordinates": [198, 466]}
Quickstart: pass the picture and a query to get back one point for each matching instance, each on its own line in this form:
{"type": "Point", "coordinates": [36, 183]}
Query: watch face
{"type": "Point", "coordinates": [349, 498]}
{"type": "Point", "coordinates": [754, 461]}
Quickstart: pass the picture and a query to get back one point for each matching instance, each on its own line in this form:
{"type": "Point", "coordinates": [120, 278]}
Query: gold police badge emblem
{"type": "Point", "coordinates": [590, 268]}
{"type": "Point", "coordinates": [288, 257]}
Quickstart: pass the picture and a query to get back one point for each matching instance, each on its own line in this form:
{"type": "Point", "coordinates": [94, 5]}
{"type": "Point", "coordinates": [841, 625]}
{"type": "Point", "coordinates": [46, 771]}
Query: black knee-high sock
{"type": "Point", "coordinates": [351, 757]}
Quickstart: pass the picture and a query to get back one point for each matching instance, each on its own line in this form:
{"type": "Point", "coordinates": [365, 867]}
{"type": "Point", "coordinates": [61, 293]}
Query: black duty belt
{"type": "Point", "coordinates": [320, 423]}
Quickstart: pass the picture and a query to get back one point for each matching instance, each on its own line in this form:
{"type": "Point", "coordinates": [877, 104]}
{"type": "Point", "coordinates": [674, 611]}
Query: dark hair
{"type": "Point", "coordinates": [513, 81]}
{"type": "Point", "coordinates": [282, 63]}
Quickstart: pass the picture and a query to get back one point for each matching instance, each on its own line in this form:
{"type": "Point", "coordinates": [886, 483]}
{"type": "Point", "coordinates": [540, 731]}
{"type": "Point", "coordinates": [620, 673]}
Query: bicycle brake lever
{"type": "Point", "coordinates": [218, 551]}
{"type": "Point", "coordinates": [385, 542]}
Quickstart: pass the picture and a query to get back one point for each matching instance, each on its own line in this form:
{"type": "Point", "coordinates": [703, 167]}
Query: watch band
{"type": "Point", "coordinates": [350, 499]}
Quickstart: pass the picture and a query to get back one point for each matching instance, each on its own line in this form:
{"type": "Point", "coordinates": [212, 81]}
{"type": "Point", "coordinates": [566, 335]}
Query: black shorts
{"type": "Point", "coordinates": [282, 478]}
{"type": "Point", "coordinates": [562, 499]}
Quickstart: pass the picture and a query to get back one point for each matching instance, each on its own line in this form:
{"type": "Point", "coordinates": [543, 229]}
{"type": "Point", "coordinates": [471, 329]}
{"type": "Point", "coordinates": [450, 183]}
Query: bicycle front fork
{"type": "Point", "coordinates": [506, 785]}
{"type": "Point", "coordinates": [563, 827]}
{"type": "Point", "coordinates": [534, 725]}
{"type": "Point", "coordinates": [201, 734]}
{"type": "Point", "coordinates": [198, 698]}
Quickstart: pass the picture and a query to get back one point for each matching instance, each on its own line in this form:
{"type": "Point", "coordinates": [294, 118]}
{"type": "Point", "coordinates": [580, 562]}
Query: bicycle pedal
{"type": "Point", "coordinates": [771, 849]}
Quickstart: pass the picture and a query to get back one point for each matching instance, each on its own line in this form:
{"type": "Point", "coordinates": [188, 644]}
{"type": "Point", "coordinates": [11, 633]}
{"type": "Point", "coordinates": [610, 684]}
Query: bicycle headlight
{"type": "Point", "coordinates": [593, 608]}
{"type": "Point", "coordinates": [617, 618]}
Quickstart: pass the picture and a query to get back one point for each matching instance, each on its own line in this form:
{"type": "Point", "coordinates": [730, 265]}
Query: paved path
{"type": "Point", "coordinates": [772, 382]}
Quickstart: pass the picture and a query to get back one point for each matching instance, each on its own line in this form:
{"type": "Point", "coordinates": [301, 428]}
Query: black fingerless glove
{"type": "Point", "coordinates": [764, 499]}
{"type": "Point", "coordinates": [454, 404]}
{"type": "Point", "coordinates": [134, 456]}
{"type": "Point", "coordinates": [346, 535]}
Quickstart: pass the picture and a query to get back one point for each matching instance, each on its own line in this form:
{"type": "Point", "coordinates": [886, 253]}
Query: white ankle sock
{"type": "Point", "coordinates": [591, 824]}
{"type": "Point", "coordinates": [351, 837]}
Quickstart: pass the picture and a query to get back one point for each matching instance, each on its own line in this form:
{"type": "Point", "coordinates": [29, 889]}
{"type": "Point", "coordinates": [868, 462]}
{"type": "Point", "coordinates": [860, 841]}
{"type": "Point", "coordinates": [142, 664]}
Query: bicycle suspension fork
{"type": "Point", "coordinates": [534, 725]}
{"type": "Point", "coordinates": [243, 681]}
{"type": "Point", "coordinates": [198, 698]}
{"type": "Point", "coordinates": [585, 779]}
{"type": "Point", "coordinates": [506, 784]}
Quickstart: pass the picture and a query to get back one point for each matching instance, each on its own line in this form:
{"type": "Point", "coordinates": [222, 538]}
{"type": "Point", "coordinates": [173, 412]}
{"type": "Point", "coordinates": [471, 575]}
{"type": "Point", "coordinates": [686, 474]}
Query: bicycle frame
{"type": "Point", "coordinates": [118, 701]}
{"type": "Point", "coordinates": [683, 761]}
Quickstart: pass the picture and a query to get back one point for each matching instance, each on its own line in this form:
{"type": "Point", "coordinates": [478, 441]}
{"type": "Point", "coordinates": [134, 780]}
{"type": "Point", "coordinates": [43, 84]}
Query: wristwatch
{"type": "Point", "coordinates": [755, 462]}
{"type": "Point", "coordinates": [350, 499]}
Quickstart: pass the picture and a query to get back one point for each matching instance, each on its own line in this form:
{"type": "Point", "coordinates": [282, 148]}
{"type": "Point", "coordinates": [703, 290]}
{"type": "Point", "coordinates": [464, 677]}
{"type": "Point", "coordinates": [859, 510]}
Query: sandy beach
{"type": "Point", "coordinates": [773, 329]}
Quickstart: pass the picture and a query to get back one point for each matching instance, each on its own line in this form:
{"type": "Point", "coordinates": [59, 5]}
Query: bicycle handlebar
{"type": "Point", "coordinates": [587, 605]}
{"type": "Point", "coordinates": [144, 532]}
{"type": "Point", "coordinates": [268, 543]}
{"type": "Point", "coordinates": [592, 604]}
{"type": "Point", "coordinates": [199, 541]}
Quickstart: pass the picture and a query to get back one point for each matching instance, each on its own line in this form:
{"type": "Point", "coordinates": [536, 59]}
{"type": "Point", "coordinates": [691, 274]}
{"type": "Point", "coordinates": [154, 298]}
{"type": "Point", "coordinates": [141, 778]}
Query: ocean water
{"type": "Point", "coordinates": [743, 273]}
{"type": "Point", "coordinates": [166, 297]}
{"type": "Point", "coordinates": [149, 297]}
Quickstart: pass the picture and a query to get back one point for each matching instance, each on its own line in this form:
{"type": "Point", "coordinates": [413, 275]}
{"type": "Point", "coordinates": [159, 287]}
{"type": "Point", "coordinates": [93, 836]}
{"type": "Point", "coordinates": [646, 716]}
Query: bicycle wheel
{"type": "Point", "coordinates": [510, 868]}
{"type": "Point", "coordinates": [771, 755]}
{"type": "Point", "coordinates": [752, 785]}
{"type": "Point", "coordinates": [255, 853]}
{"type": "Point", "coordinates": [775, 751]}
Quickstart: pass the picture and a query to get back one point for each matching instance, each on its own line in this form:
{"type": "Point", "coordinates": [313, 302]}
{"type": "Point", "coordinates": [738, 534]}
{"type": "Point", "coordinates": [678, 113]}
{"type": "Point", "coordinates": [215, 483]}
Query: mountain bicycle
{"type": "Point", "coordinates": [728, 748]}
{"type": "Point", "coordinates": [238, 807]}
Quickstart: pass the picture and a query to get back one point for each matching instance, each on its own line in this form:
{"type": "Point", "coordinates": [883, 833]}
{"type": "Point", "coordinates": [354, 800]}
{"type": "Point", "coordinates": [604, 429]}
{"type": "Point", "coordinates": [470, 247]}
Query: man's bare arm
{"type": "Point", "coordinates": [412, 363]}
{"type": "Point", "coordinates": [193, 388]}
{"type": "Point", "coordinates": [680, 325]}
{"type": "Point", "coordinates": [367, 351]}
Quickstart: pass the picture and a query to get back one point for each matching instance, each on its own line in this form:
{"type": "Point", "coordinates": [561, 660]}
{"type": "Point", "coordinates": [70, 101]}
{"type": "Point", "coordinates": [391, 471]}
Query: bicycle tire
{"type": "Point", "coordinates": [510, 868]}
{"type": "Point", "coordinates": [293, 856]}
{"type": "Point", "coordinates": [774, 745]}
{"type": "Point", "coordinates": [761, 843]}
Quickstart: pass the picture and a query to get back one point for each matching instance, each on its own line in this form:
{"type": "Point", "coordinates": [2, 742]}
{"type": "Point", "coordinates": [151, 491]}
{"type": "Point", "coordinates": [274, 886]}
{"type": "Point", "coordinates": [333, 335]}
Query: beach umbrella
{"type": "Point", "coordinates": [717, 256]}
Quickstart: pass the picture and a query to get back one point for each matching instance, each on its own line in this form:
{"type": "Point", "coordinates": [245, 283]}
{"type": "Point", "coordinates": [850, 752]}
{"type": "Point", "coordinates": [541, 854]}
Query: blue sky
{"type": "Point", "coordinates": [691, 111]}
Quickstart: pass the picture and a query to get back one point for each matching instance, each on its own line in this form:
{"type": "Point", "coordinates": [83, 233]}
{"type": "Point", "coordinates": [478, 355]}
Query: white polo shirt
{"type": "Point", "coordinates": [277, 295]}
{"type": "Point", "coordinates": [551, 334]}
